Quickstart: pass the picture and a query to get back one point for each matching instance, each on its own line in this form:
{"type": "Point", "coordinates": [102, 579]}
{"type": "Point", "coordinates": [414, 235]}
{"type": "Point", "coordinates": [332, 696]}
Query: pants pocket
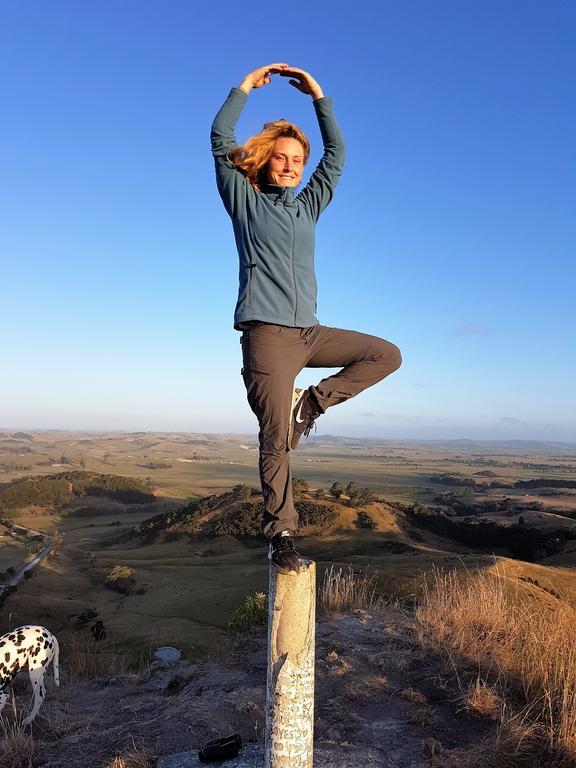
{"type": "Point", "coordinates": [257, 385]}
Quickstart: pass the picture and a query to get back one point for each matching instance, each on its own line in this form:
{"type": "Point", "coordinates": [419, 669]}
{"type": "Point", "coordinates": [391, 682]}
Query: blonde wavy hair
{"type": "Point", "coordinates": [253, 156]}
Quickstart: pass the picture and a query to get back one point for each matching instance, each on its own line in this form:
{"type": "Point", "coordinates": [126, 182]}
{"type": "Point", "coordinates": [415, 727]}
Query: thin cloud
{"type": "Point", "coordinates": [468, 329]}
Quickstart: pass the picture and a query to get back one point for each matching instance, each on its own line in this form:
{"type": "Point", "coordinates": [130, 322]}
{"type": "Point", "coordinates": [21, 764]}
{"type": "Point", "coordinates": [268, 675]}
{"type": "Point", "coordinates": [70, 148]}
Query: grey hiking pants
{"type": "Point", "coordinates": [272, 356]}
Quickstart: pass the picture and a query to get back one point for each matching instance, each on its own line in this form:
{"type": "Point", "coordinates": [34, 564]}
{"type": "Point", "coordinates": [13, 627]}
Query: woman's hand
{"type": "Point", "coordinates": [261, 76]}
{"type": "Point", "coordinates": [303, 81]}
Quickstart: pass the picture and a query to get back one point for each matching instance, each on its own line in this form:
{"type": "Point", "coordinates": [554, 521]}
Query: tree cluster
{"type": "Point", "coordinates": [53, 490]}
{"type": "Point", "coordinates": [524, 542]}
{"type": "Point", "coordinates": [357, 497]}
{"type": "Point", "coordinates": [468, 482]}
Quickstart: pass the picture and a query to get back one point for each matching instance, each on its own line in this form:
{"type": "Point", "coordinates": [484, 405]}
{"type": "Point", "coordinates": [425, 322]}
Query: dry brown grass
{"type": "Point", "coordinates": [517, 745]}
{"type": "Point", "coordinates": [17, 746]}
{"type": "Point", "coordinates": [483, 700]}
{"type": "Point", "coordinates": [137, 757]}
{"type": "Point", "coordinates": [88, 659]}
{"type": "Point", "coordinates": [523, 644]}
{"type": "Point", "coordinates": [345, 590]}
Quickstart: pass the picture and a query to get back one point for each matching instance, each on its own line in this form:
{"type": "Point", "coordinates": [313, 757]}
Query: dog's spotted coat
{"type": "Point", "coordinates": [33, 647]}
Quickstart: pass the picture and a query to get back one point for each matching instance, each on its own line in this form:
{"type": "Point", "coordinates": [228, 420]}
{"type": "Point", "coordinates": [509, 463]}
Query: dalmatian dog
{"type": "Point", "coordinates": [33, 647]}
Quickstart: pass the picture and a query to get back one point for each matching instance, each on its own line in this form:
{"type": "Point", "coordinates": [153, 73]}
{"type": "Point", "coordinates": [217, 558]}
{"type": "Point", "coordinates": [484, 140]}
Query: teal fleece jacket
{"type": "Point", "coordinates": [274, 229]}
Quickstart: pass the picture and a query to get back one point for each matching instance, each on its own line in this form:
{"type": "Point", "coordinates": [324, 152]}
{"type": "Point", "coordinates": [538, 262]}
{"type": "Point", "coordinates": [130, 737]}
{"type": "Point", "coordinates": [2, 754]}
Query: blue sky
{"type": "Point", "coordinates": [451, 233]}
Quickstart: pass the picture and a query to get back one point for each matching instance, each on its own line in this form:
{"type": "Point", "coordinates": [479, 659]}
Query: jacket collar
{"type": "Point", "coordinates": [279, 193]}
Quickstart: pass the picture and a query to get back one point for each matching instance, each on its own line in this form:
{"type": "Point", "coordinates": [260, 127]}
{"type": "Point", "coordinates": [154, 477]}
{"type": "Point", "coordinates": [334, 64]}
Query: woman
{"type": "Point", "coordinates": [276, 307]}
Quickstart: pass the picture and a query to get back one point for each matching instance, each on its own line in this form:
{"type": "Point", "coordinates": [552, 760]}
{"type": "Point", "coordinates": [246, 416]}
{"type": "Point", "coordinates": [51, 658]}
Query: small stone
{"type": "Point", "coordinates": [167, 653]}
{"type": "Point", "coordinates": [332, 656]}
{"type": "Point", "coordinates": [333, 734]}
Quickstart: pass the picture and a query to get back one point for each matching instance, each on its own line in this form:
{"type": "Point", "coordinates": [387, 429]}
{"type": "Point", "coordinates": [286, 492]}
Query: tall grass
{"type": "Point", "coordinates": [87, 659]}
{"type": "Point", "coordinates": [17, 746]}
{"type": "Point", "coordinates": [520, 640]}
{"type": "Point", "coordinates": [345, 590]}
{"type": "Point", "coordinates": [142, 756]}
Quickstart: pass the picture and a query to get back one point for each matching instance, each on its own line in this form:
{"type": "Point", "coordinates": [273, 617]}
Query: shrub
{"type": "Point", "coordinates": [366, 496]}
{"type": "Point", "coordinates": [240, 519]}
{"type": "Point", "coordinates": [363, 520]}
{"type": "Point", "coordinates": [298, 487]}
{"type": "Point", "coordinates": [252, 613]}
{"type": "Point", "coordinates": [241, 492]}
{"type": "Point", "coordinates": [311, 513]}
{"type": "Point", "coordinates": [120, 578]}
{"type": "Point", "coordinates": [352, 491]}
{"type": "Point", "coordinates": [336, 490]}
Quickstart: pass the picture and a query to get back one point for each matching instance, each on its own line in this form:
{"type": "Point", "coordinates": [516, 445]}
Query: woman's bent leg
{"type": "Point", "coordinates": [366, 359]}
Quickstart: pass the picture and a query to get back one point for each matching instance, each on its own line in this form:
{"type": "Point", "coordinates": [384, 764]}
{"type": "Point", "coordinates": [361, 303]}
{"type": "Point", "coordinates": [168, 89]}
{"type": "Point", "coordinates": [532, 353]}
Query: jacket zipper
{"type": "Point", "coordinates": [293, 271]}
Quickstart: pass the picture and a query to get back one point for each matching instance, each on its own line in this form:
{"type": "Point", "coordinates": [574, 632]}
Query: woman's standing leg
{"type": "Point", "coordinates": [273, 355]}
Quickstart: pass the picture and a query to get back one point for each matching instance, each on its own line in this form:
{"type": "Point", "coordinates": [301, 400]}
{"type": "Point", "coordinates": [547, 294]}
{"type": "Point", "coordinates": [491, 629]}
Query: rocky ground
{"type": "Point", "coordinates": [381, 700]}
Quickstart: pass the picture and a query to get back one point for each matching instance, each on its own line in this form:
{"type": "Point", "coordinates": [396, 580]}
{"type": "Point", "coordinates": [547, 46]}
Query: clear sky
{"type": "Point", "coordinates": [451, 233]}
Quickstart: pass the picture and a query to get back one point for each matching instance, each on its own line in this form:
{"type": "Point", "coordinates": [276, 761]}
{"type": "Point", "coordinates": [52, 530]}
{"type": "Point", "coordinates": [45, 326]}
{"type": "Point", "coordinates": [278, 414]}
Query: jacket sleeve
{"type": "Point", "coordinates": [232, 183]}
{"type": "Point", "coordinates": [319, 191]}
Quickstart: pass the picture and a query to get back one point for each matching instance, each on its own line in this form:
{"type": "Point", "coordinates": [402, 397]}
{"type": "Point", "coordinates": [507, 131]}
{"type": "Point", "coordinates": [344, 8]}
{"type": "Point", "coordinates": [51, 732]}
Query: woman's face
{"type": "Point", "coordinates": [286, 163]}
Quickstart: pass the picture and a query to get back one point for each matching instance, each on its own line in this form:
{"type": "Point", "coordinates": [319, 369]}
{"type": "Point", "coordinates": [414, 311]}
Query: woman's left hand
{"type": "Point", "coordinates": [303, 81]}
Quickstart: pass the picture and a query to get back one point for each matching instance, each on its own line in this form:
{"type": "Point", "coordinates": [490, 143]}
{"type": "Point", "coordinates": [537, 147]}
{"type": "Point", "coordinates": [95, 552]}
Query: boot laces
{"type": "Point", "coordinates": [284, 543]}
{"type": "Point", "coordinates": [309, 428]}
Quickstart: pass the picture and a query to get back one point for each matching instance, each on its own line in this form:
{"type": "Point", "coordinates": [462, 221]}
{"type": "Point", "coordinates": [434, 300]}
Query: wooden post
{"type": "Point", "coordinates": [288, 740]}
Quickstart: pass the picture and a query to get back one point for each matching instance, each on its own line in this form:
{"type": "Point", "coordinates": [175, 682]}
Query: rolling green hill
{"type": "Point", "coordinates": [57, 489]}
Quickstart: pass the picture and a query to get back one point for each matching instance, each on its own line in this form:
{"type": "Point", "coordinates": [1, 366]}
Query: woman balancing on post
{"type": "Point", "coordinates": [274, 231]}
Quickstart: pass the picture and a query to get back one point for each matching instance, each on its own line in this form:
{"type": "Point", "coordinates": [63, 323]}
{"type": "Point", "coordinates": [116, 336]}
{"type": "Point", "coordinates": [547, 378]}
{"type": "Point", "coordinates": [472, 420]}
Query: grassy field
{"type": "Point", "coordinates": [185, 590]}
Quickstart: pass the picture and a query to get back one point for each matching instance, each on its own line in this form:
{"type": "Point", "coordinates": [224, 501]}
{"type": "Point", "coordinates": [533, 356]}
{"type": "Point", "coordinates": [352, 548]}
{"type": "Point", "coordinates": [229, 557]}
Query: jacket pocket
{"type": "Point", "coordinates": [250, 280]}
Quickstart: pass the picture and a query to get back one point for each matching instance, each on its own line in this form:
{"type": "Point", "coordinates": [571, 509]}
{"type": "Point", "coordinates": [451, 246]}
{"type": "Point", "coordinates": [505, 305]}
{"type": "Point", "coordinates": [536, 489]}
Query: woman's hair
{"type": "Point", "coordinates": [252, 158]}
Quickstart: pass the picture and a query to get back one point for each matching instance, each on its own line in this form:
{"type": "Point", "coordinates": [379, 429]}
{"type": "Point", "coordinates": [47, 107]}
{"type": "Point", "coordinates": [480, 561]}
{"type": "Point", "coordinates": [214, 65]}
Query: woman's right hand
{"type": "Point", "coordinates": [260, 76]}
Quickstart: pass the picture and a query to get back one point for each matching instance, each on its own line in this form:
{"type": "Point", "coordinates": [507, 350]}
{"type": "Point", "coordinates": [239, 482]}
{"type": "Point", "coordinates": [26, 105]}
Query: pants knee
{"type": "Point", "coordinates": [390, 356]}
{"type": "Point", "coordinates": [396, 357]}
{"type": "Point", "coordinates": [273, 447]}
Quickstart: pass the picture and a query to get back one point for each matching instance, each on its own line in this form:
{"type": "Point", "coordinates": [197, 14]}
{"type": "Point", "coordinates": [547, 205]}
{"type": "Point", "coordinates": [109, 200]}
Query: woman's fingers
{"type": "Point", "coordinates": [275, 67]}
{"type": "Point", "coordinates": [295, 71]}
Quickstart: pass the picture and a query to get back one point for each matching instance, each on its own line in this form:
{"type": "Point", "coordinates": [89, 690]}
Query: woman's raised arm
{"type": "Point", "coordinates": [303, 81]}
{"type": "Point", "coordinates": [232, 184]}
{"type": "Point", "coordinates": [320, 189]}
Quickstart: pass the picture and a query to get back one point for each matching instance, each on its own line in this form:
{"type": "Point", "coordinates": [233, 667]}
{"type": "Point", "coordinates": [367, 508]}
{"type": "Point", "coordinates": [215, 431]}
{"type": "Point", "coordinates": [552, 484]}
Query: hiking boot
{"type": "Point", "coordinates": [282, 553]}
{"type": "Point", "coordinates": [304, 412]}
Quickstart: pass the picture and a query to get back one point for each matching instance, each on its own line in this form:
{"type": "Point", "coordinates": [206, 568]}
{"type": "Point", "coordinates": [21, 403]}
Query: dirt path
{"type": "Point", "coordinates": [379, 701]}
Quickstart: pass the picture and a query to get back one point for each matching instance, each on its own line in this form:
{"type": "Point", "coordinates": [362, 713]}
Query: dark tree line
{"type": "Point", "coordinates": [468, 482]}
{"type": "Point", "coordinates": [523, 542]}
